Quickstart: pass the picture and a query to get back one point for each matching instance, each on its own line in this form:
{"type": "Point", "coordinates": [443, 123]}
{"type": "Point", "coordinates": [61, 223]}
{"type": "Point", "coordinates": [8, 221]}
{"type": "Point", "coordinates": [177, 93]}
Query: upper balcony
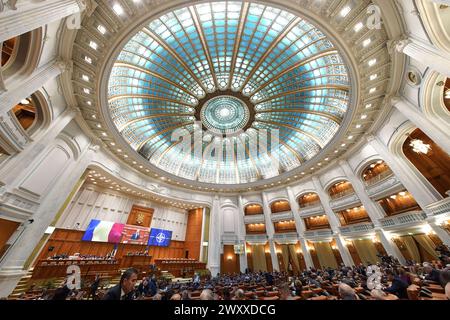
{"type": "Point", "coordinates": [285, 226]}
{"type": "Point", "coordinates": [380, 180]}
{"type": "Point", "coordinates": [310, 204]}
{"type": "Point", "coordinates": [354, 215]}
{"type": "Point", "coordinates": [280, 207]}
{"type": "Point", "coordinates": [357, 229]}
{"type": "Point", "coordinates": [342, 195]}
{"type": "Point", "coordinates": [404, 220]}
{"type": "Point", "coordinates": [440, 207]}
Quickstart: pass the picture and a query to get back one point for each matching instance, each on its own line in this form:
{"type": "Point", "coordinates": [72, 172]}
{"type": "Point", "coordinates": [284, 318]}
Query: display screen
{"type": "Point", "coordinates": [159, 237]}
{"type": "Point", "coordinates": [135, 235]}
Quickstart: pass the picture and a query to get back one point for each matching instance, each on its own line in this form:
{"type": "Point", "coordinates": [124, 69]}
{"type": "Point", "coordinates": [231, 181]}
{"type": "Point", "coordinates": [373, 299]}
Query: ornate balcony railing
{"type": "Point", "coordinates": [378, 178]}
{"type": "Point", "coordinates": [256, 238]}
{"type": "Point", "coordinates": [342, 194]}
{"type": "Point", "coordinates": [311, 210]}
{"type": "Point", "coordinates": [407, 218]}
{"type": "Point", "coordinates": [440, 207]}
{"type": "Point", "coordinates": [391, 184]}
{"type": "Point", "coordinates": [345, 202]}
{"type": "Point", "coordinates": [286, 237]}
{"type": "Point", "coordinates": [282, 216]}
{"type": "Point", "coordinates": [256, 218]}
{"type": "Point", "coordinates": [318, 233]}
{"type": "Point", "coordinates": [357, 228]}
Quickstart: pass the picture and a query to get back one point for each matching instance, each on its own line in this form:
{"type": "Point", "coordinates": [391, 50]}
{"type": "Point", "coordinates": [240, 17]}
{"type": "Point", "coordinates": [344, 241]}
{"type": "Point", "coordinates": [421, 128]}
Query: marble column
{"type": "Point", "coordinates": [214, 246]}
{"type": "Point", "coordinates": [390, 247]}
{"type": "Point", "coordinates": [11, 269]}
{"type": "Point", "coordinates": [343, 250]}
{"type": "Point", "coordinates": [270, 229]}
{"type": "Point", "coordinates": [373, 210]}
{"type": "Point", "coordinates": [13, 168]}
{"type": "Point", "coordinates": [424, 53]}
{"type": "Point", "coordinates": [325, 200]}
{"type": "Point", "coordinates": [440, 232]}
{"type": "Point", "coordinates": [299, 225]}
{"type": "Point", "coordinates": [440, 137]}
{"type": "Point", "coordinates": [306, 253]}
{"type": "Point", "coordinates": [33, 83]}
{"type": "Point", "coordinates": [421, 193]}
{"type": "Point", "coordinates": [28, 15]}
{"type": "Point", "coordinates": [241, 227]}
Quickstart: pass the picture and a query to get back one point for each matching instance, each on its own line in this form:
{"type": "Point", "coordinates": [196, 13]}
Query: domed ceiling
{"type": "Point", "coordinates": [192, 90]}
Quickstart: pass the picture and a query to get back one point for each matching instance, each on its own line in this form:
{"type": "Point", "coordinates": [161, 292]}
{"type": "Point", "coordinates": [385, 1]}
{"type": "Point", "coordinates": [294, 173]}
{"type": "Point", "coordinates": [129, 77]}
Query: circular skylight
{"type": "Point", "coordinates": [228, 67]}
{"type": "Point", "coordinates": [225, 114]}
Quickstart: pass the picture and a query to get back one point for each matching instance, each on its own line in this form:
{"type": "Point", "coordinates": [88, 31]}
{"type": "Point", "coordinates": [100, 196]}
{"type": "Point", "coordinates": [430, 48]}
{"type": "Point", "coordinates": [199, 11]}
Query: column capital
{"type": "Point", "coordinates": [343, 163]}
{"type": "Point", "coordinates": [64, 65]}
{"type": "Point", "coordinates": [10, 4]}
{"type": "Point", "coordinates": [87, 6]}
{"type": "Point", "coordinates": [398, 45]}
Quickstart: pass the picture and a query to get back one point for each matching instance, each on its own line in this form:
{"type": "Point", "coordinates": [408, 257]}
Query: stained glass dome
{"type": "Point", "coordinates": [223, 68]}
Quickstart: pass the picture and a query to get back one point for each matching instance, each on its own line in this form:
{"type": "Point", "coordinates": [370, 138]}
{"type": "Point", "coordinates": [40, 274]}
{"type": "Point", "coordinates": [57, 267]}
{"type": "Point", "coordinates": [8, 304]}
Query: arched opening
{"type": "Point", "coordinates": [340, 189]}
{"type": "Point", "coordinates": [398, 203]}
{"type": "Point", "coordinates": [436, 19]}
{"type": "Point", "coordinates": [20, 55]}
{"type": "Point", "coordinates": [317, 222]}
{"type": "Point", "coordinates": [280, 206]}
{"type": "Point", "coordinates": [255, 228]}
{"type": "Point", "coordinates": [253, 209]}
{"type": "Point", "coordinates": [284, 226]}
{"type": "Point", "coordinates": [375, 172]}
{"type": "Point", "coordinates": [431, 161]}
{"type": "Point", "coordinates": [309, 200]}
{"type": "Point", "coordinates": [447, 94]}
{"type": "Point", "coordinates": [9, 48]}
{"type": "Point", "coordinates": [353, 215]}
{"type": "Point", "coordinates": [25, 112]}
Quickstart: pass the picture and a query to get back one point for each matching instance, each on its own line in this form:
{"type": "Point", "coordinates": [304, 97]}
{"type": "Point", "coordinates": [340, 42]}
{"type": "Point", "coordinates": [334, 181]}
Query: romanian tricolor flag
{"type": "Point", "coordinates": [103, 231]}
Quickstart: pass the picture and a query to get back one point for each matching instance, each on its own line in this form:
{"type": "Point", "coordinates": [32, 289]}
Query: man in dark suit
{"type": "Point", "coordinates": [125, 289]}
{"type": "Point", "coordinates": [398, 286]}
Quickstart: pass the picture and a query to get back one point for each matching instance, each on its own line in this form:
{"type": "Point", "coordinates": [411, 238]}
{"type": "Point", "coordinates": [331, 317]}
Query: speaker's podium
{"type": "Point", "coordinates": [180, 267]}
{"type": "Point", "coordinates": [139, 262]}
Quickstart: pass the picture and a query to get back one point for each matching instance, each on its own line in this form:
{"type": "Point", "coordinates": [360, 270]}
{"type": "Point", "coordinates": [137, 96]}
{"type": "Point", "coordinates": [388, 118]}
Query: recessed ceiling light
{"type": "Point", "coordinates": [118, 9]}
{"type": "Point", "coordinates": [93, 45]}
{"type": "Point", "coordinates": [367, 42]}
{"type": "Point", "coordinates": [112, 143]}
{"type": "Point", "coordinates": [101, 29]}
{"type": "Point", "coordinates": [373, 77]}
{"type": "Point", "coordinates": [87, 91]}
{"type": "Point", "coordinates": [364, 116]}
{"type": "Point", "coordinates": [98, 125]}
{"type": "Point", "coordinates": [372, 62]}
{"type": "Point", "coordinates": [350, 137]}
{"type": "Point", "coordinates": [89, 103]}
{"type": "Point", "coordinates": [85, 78]}
{"type": "Point", "coordinates": [345, 11]}
{"type": "Point", "coordinates": [372, 90]}
{"type": "Point", "coordinates": [368, 106]}
{"type": "Point", "coordinates": [358, 26]}
{"type": "Point", "coordinates": [87, 59]}
{"type": "Point", "coordinates": [358, 126]}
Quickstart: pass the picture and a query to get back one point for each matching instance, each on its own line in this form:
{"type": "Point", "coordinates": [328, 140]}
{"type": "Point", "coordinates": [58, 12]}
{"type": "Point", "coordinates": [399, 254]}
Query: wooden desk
{"type": "Point", "coordinates": [46, 269]}
{"type": "Point", "coordinates": [177, 266]}
{"type": "Point", "coordinates": [139, 262]}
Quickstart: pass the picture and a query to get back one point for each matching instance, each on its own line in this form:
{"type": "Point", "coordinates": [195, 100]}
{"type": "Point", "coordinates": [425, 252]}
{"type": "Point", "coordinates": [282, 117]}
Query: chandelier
{"type": "Point", "coordinates": [419, 146]}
